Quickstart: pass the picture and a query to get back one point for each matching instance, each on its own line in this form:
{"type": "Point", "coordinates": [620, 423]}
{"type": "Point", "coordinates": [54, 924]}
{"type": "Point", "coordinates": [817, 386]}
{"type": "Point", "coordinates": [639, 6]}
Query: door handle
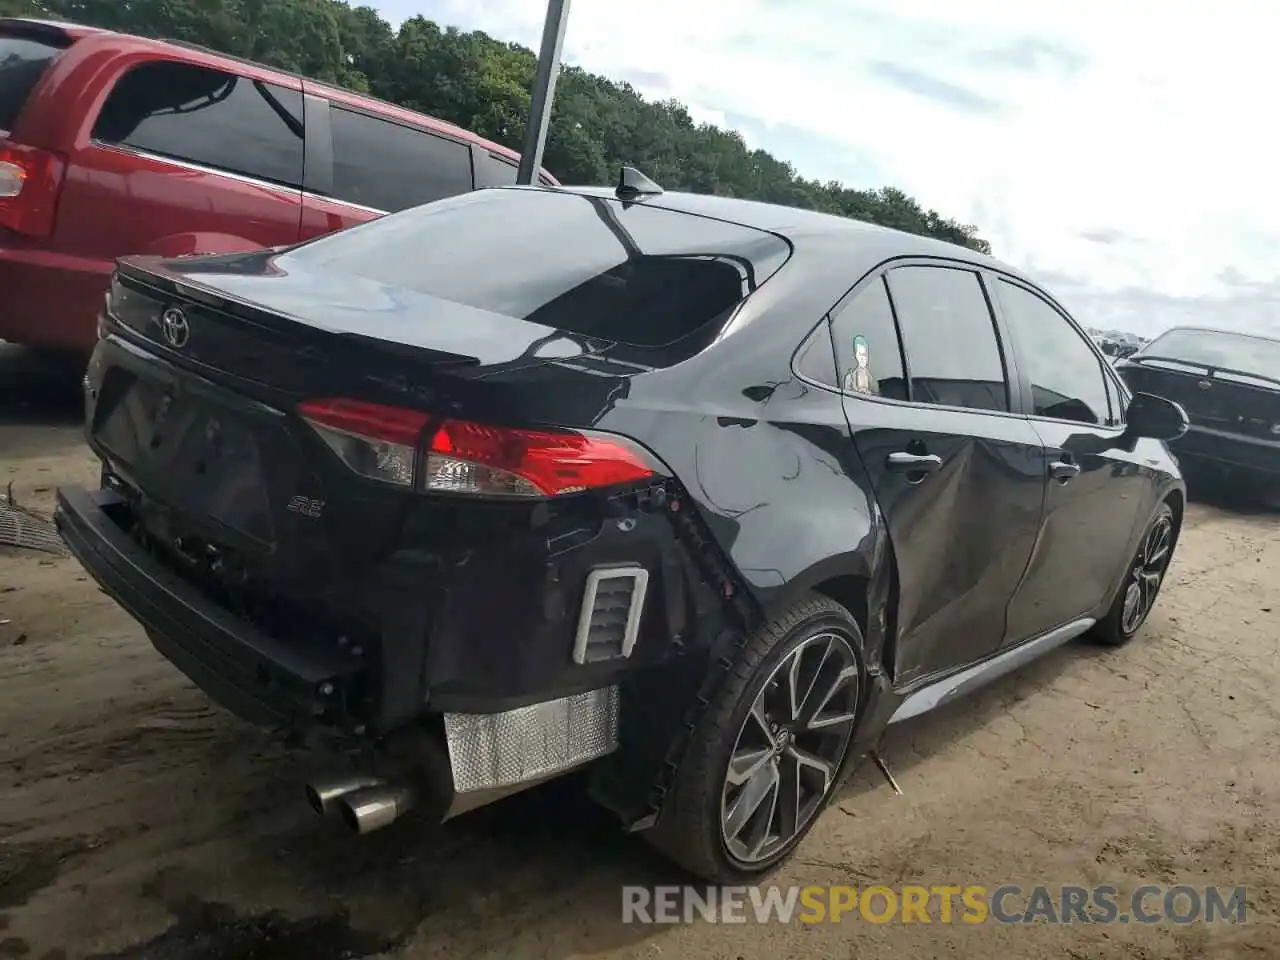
{"type": "Point", "coordinates": [903, 462]}
{"type": "Point", "coordinates": [1062, 471]}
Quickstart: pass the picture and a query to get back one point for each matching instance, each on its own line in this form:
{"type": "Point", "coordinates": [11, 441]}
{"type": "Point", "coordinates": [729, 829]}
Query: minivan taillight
{"type": "Point", "coordinates": [444, 455]}
{"type": "Point", "coordinates": [30, 181]}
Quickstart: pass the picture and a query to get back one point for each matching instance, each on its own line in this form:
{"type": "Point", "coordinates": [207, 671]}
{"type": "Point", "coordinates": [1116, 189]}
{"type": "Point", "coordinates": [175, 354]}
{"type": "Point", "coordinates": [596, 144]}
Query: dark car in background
{"type": "Point", "coordinates": [698, 492]}
{"type": "Point", "coordinates": [1229, 383]}
{"type": "Point", "coordinates": [112, 144]}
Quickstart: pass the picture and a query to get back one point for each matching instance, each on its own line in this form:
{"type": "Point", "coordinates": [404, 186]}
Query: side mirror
{"type": "Point", "coordinates": [1156, 418]}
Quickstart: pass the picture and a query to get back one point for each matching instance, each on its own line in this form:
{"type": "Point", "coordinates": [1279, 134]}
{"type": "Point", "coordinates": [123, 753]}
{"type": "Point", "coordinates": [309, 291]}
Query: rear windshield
{"type": "Point", "coordinates": [23, 61]}
{"type": "Point", "coordinates": [1234, 351]}
{"type": "Point", "coordinates": [590, 266]}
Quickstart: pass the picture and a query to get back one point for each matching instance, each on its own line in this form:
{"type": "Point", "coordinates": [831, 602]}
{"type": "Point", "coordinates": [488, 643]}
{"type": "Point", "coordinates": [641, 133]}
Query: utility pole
{"type": "Point", "coordinates": [544, 90]}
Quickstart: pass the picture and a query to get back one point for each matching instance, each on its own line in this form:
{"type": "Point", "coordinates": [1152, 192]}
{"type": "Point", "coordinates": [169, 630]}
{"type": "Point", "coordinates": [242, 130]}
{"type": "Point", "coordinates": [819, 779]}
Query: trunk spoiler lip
{"type": "Point", "coordinates": [151, 271]}
{"type": "Point", "coordinates": [1209, 369]}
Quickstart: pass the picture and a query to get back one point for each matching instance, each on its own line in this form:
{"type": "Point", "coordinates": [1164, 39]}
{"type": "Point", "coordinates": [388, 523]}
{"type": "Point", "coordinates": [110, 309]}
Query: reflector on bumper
{"type": "Point", "coordinates": [495, 750]}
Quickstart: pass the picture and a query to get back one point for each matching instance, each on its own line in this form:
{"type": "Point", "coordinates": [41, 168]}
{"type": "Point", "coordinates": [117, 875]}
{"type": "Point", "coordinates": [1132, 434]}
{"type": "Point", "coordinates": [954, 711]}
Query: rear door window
{"type": "Point", "coordinates": [390, 167]}
{"type": "Point", "coordinates": [588, 265]}
{"type": "Point", "coordinates": [949, 337]}
{"type": "Point", "coordinates": [868, 354]}
{"type": "Point", "coordinates": [23, 61]}
{"type": "Point", "coordinates": [207, 117]}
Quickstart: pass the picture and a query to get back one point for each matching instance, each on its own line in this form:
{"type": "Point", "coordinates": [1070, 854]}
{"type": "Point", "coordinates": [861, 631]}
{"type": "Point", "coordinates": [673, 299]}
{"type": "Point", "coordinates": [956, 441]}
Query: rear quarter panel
{"type": "Point", "coordinates": [767, 459]}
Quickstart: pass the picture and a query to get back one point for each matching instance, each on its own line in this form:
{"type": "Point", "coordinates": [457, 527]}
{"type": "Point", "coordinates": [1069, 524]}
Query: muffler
{"type": "Point", "coordinates": [324, 795]}
{"type": "Point", "coordinates": [370, 808]}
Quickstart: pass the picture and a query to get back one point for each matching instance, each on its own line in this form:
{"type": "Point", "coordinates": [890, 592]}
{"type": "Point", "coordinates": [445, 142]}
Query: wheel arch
{"type": "Point", "coordinates": [864, 583]}
{"type": "Point", "coordinates": [844, 578]}
{"type": "Point", "coordinates": [850, 591]}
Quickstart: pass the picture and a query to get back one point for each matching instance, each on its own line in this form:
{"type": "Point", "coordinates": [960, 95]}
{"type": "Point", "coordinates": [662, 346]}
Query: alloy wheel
{"type": "Point", "coordinates": [790, 747]}
{"type": "Point", "coordinates": [1146, 574]}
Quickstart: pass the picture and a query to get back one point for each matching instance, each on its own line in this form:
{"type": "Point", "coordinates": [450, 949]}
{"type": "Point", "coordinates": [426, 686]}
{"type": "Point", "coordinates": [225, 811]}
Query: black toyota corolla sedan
{"type": "Point", "coordinates": [1229, 384]}
{"type": "Point", "coordinates": [695, 494]}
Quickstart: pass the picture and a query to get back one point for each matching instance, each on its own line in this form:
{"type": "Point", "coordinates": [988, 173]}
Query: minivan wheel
{"type": "Point", "coordinates": [770, 750]}
{"type": "Point", "coordinates": [1142, 581]}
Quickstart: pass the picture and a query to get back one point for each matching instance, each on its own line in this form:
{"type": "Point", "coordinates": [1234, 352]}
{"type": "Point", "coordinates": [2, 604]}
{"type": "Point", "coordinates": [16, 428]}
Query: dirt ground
{"type": "Point", "coordinates": [139, 821]}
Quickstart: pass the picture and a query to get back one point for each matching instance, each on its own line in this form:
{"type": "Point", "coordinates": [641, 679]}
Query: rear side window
{"type": "Point", "coordinates": [815, 359]}
{"type": "Point", "coordinates": [587, 265]}
{"type": "Point", "coordinates": [497, 172]}
{"type": "Point", "coordinates": [949, 337]}
{"type": "Point", "coordinates": [207, 117]}
{"type": "Point", "coordinates": [390, 167]}
{"type": "Point", "coordinates": [23, 61]}
{"type": "Point", "coordinates": [493, 172]}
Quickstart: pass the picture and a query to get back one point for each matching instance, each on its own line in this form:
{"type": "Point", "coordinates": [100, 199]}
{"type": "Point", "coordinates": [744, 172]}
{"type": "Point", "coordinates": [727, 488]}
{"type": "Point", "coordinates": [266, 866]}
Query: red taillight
{"type": "Point", "coordinates": [472, 458]}
{"type": "Point", "coordinates": [415, 450]}
{"type": "Point", "coordinates": [30, 181]}
{"type": "Point", "coordinates": [379, 442]}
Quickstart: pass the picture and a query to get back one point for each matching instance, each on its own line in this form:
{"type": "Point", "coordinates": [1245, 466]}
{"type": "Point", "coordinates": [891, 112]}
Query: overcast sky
{"type": "Point", "coordinates": [1124, 151]}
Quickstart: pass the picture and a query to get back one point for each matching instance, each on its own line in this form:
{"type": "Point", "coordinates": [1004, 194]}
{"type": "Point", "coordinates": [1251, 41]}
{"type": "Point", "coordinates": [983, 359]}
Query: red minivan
{"type": "Point", "coordinates": [113, 145]}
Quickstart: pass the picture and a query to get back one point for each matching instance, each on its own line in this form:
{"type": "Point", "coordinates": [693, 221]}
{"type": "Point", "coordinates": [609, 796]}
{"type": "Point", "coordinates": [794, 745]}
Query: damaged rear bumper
{"type": "Point", "coordinates": [463, 761]}
{"type": "Point", "coordinates": [257, 677]}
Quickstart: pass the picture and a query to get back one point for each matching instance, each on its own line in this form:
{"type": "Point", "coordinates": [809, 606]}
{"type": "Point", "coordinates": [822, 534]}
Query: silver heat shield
{"type": "Point", "coordinates": [497, 753]}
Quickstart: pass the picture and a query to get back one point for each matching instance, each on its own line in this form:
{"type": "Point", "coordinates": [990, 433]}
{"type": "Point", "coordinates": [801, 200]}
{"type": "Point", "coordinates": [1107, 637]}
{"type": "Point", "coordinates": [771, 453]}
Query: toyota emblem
{"type": "Point", "coordinates": [174, 326]}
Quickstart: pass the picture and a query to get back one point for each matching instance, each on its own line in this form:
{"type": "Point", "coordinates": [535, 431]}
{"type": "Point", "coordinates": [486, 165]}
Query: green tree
{"type": "Point", "coordinates": [23, 8]}
{"type": "Point", "coordinates": [483, 84]}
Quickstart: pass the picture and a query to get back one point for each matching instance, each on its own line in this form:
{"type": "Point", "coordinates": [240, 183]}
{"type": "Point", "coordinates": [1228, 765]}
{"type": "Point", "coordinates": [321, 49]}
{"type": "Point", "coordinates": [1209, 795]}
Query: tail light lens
{"type": "Point", "coordinates": [30, 181]}
{"type": "Point", "coordinates": [421, 452]}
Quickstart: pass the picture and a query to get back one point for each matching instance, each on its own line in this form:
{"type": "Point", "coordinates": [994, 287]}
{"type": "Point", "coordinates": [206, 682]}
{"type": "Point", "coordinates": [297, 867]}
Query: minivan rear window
{"type": "Point", "coordinates": [23, 61]}
{"type": "Point", "coordinates": [587, 265]}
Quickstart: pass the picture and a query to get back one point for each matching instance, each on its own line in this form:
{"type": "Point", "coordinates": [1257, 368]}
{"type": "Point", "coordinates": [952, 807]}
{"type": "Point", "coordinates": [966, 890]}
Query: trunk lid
{"type": "Point", "coordinates": [255, 319]}
{"type": "Point", "coordinates": [202, 425]}
{"type": "Point", "coordinates": [505, 307]}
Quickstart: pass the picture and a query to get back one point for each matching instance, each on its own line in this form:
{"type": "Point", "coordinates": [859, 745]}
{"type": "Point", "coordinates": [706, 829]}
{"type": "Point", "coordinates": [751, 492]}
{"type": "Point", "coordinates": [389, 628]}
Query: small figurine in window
{"type": "Point", "coordinates": [859, 378]}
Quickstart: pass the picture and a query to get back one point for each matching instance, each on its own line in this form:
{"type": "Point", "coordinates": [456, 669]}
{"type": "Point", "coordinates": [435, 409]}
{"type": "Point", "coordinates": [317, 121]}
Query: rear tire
{"type": "Point", "coordinates": [770, 749]}
{"type": "Point", "coordinates": [1140, 587]}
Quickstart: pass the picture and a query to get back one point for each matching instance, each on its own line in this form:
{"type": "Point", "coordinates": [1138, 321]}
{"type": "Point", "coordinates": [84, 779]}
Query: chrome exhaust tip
{"type": "Point", "coordinates": [324, 795]}
{"type": "Point", "coordinates": [373, 807]}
